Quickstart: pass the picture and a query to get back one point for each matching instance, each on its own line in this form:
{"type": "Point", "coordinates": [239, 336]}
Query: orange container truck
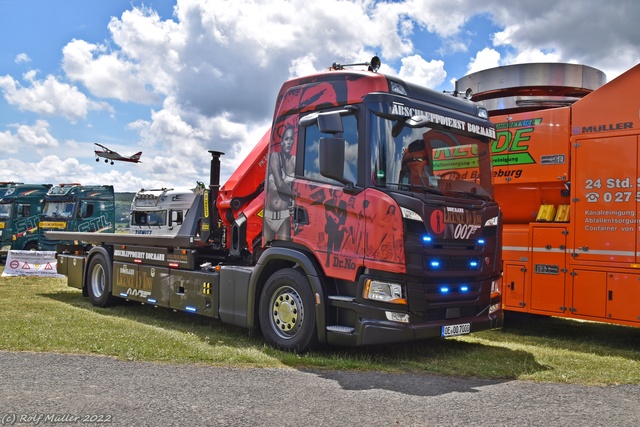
{"type": "Point", "coordinates": [566, 166]}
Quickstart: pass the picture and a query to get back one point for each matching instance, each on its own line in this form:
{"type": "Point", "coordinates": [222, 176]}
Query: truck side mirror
{"type": "Point", "coordinates": [175, 217]}
{"type": "Point", "coordinates": [330, 122]}
{"type": "Point", "coordinates": [331, 158]}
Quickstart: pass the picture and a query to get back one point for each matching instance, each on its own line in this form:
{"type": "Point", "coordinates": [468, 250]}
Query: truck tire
{"type": "Point", "coordinates": [287, 311]}
{"type": "Point", "coordinates": [99, 276]}
{"type": "Point", "coordinates": [31, 246]}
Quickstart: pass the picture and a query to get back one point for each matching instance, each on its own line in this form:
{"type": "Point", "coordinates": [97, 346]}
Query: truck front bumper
{"type": "Point", "coordinates": [369, 331]}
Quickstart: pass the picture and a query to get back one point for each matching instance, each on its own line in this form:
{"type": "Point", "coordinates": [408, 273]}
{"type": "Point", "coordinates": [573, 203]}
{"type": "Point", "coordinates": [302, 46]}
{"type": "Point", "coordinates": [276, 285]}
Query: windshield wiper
{"type": "Point", "coordinates": [415, 188]}
{"type": "Point", "coordinates": [471, 195]}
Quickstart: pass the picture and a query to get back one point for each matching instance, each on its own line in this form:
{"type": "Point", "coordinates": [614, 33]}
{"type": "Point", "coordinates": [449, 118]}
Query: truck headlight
{"type": "Point", "coordinates": [495, 287]}
{"type": "Point", "coordinates": [409, 214]}
{"type": "Point", "coordinates": [491, 222]}
{"type": "Point", "coordinates": [495, 293]}
{"type": "Point", "coordinates": [383, 291]}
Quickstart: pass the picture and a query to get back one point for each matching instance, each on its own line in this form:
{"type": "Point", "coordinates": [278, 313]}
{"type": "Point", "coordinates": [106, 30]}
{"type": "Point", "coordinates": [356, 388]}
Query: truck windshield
{"type": "Point", "coordinates": [5, 211]}
{"type": "Point", "coordinates": [58, 210]}
{"type": "Point", "coordinates": [425, 159]}
{"type": "Point", "coordinates": [143, 218]}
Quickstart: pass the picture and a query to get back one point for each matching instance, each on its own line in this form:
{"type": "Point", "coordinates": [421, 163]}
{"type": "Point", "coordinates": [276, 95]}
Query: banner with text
{"type": "Point", "coordinates": [31, 263]}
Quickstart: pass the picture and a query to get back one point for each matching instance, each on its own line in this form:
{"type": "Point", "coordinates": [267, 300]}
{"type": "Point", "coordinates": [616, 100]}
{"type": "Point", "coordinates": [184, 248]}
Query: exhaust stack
{"type": "Point", "coordinates": [214, 187]}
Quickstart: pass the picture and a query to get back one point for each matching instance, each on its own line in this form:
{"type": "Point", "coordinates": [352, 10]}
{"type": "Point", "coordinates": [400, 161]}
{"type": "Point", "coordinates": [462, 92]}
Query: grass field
{"type": "Point", "coordinates": [43, 314]}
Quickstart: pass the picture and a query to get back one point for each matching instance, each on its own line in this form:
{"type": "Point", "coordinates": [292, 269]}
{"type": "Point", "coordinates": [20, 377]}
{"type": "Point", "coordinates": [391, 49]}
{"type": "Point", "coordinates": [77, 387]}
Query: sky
{"type": "Point", "coordinates": [176, 78]}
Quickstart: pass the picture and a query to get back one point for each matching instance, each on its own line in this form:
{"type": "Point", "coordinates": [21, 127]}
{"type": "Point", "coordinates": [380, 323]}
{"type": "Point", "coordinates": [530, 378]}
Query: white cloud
{"type": "Point", "coordinates": [394, 30]}
{"type": "Point", "coordinates": [106, 75]}
{"type": "Point", "coordinates": [54, 170]}
{"type": "Point", "coordinates": [27, 138]}
{"type": "Point", "coordinates": [443, 17]}
{"type": "Point", "coordinates": [486, 58]}
{"type": "Point", "coordinates": [22, 57]}
{"type": "Point", "coordinates": [303, 66]}
{"type": "Point", "coordinates": [220, 56]}
{"type": "Point", "coordinates": [536, 55]}
{"type": "Point", "coordinates": [604, 37]}
{"type": "Point", "coordinates": [416, 70]}
{"type": "Point", "coordinates": [152, 46]}
{"type": "Point", "coordinates": [48, 97]}
{"type": "Point", "coordinates": [209, 76]}
{"type": "Point", "coordinates": [49, 169]}
{"type": "Point", "coordinates": [183, 137]}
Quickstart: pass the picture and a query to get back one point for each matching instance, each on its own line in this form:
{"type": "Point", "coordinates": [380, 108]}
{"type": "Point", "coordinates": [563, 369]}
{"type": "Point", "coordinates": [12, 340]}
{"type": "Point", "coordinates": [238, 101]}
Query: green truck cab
{"type": "Point", "coordinates": [76, 207]}
{"type": "Point", "coordinates": [20, 209]}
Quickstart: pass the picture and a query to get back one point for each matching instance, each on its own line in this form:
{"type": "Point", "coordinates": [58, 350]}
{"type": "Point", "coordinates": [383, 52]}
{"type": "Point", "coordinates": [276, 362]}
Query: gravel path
{"type": "Point", "coordinates": [43, 389]}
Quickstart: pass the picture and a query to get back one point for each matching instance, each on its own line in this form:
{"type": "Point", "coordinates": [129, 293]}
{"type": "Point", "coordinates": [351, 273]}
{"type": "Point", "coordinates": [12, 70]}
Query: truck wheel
{"type": "Point", "coordinates": [32, 246]}
{"type": "Point", "coordinates": [99, 281]}
{"type": "Point", "coordinates": [287, 312]}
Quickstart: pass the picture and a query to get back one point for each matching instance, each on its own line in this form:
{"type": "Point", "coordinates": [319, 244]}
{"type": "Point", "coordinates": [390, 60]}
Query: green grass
{"type": "Point", "coordinates": [43, 314]}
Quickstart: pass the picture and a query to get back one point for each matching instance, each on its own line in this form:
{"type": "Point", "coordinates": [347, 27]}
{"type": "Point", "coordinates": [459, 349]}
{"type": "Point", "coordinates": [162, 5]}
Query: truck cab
{"type": "Point", "coordinates": [385, 188]}
{"type": "Point", "coordinates": [76, 207]}
{"type": "Point", "coordinates": [20, 208]}
{"type": "Point", "coordinates": [160, 211]}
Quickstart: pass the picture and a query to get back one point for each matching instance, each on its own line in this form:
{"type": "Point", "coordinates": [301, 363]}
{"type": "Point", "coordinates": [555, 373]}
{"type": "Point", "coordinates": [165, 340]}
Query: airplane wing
{"type": "Point", "coordinates": [108, 150]}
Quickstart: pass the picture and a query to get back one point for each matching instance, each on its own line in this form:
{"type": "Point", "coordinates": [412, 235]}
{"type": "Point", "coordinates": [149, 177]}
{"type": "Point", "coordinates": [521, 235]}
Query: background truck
{"type": "Point", "coordinates": [363, 216]}
{"type": "Point", "coordinates": [160, 211]}
{"type": "Point", "coordinates": [20, 208]}
{"type": "Point", "coordinates": [76, 207]}
{"type": "Point", "coordinates": [566, 174]}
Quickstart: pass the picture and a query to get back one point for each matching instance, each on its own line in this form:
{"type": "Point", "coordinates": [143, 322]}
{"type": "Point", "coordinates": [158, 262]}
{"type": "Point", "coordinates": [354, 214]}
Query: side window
{"type": "Point", "coordinates": [24, 211]}
{"type": "Point", "coordinates": [311, 156]}
{"type": "Point", "coordinates": [86, 210]}
{"type": "Point", "coordinates": [351, 148]}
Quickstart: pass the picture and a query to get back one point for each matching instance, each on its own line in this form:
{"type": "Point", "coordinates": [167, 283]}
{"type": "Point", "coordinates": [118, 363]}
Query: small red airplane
{"type": "Point", "coordinates": [110, 155]}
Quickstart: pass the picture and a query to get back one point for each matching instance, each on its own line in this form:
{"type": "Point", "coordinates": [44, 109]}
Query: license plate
{"type": "Point", "coordinates": [453, 330]}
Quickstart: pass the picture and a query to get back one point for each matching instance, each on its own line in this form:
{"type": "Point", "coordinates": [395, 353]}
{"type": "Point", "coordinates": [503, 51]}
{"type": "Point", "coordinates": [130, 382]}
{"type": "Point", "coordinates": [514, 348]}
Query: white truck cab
{"type": "Point", "coordinates": [160, 211]}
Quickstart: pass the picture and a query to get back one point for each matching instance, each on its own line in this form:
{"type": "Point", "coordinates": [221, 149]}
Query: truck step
{"type": "Point", "coordinates": [341, 298]}
{"type": "Point", "coordinates": [340, 329]}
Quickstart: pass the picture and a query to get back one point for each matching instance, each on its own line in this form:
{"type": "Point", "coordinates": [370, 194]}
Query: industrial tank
{"type": "Point", "coordinates": [526, 87]}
